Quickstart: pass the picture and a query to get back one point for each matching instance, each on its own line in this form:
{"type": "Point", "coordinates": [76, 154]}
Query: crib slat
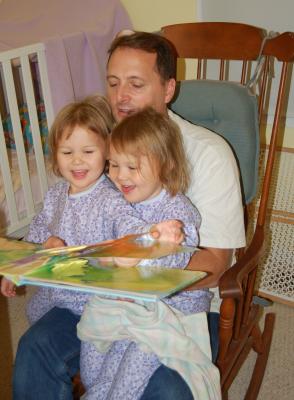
{"type": "Point", "coordinates": [45, 85]}
{"type": "Point", "coordinates": [39, 50]}
{"type": "Point", "coordinates": [21, 156]}
{"type": "Point", "coordinates": [31, 103]}
{"type": "Point", "coordinates": [6, 176]}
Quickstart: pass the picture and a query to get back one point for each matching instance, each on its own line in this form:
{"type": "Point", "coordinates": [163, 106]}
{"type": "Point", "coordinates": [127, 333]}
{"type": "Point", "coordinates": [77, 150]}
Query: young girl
{"type": "Point", "coordinates": [147, 164]}
{"type": "Point", "coordinates": [84, 207]}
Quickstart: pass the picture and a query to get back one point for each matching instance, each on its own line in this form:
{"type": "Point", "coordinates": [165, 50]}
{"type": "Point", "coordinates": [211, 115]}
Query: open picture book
{"type": "Point", "coordinates": [91, 268]}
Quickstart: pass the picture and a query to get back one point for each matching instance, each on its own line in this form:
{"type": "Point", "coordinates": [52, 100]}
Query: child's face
{"type": "Point", "coordinates": [81, 158]}
{"type": "Point", "coordinates": [133, 177]}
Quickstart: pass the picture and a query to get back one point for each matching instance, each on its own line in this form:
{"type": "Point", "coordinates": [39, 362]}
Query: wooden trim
{"type": "Point", "coordinates": [286, 149]}
{"type": "Point", "coordinates": [281, 212]}
{"type": "Point", "coordinates": [277, 298]}
{"type": "Point", "coordinates": [282, 220]}
{"type": "Point", "coordinates": [281, 216]}
{"type": "Point", "coordinates": [284, 217]}
{"type": "Point", "coordinates": [279, 148]}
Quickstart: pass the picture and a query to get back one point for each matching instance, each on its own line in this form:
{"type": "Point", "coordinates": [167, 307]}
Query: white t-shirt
{"type": "Point", "coordinates": [214, 190]}
{"type": "Point", "coordinates": [215, 186]}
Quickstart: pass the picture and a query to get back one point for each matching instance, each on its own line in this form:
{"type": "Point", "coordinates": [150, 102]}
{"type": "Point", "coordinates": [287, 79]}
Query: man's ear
{"type": "Point", "coordinates": [170, 90]}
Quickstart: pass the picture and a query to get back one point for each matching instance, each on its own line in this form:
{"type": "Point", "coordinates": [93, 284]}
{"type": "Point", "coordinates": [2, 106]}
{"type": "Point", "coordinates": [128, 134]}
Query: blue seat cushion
{"type": "Point", "coordinates": [230, 110]}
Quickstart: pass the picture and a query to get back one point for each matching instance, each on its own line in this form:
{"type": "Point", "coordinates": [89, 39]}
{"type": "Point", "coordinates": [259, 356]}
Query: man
{"type": "Point", "coordinates": [141, 72]}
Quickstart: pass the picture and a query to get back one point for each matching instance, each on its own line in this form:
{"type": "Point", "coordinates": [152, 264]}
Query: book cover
{"type": "Point", "coordinates": [91, 268]}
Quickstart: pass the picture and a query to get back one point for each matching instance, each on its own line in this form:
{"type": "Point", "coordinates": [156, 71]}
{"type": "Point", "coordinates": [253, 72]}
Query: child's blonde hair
{"type": "Point", "coordinates": [156, 136]}
{"type": "Point", "coordinates": [93, 114]}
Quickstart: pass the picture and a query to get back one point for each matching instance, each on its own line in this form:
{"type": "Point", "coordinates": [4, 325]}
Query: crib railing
{"type": "Point", "coordinates": [23, 59]}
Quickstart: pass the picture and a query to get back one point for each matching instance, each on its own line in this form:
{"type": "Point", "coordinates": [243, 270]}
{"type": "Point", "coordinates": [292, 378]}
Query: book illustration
{"type": "Point", "coordinates": [91, 269]}
{"type": "Point", "coordinates": [131, 246]}
{"type": "Point", "coordinates": [147, 283]}
{"type": "Point", "coordinates": [67, 268]}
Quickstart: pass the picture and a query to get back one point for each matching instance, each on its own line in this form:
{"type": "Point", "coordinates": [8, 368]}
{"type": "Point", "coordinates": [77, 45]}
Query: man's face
{"type": "Point", "coordinates": [133, 83]}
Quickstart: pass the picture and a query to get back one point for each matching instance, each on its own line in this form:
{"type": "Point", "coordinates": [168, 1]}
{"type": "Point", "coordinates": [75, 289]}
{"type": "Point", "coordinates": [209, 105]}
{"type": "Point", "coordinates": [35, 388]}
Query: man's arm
{"type": "Point", "coordinates": [212, 260]}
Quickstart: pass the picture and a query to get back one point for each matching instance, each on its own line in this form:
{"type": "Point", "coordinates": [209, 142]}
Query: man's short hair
{"type": "Point", "coordinates": [151, 43]}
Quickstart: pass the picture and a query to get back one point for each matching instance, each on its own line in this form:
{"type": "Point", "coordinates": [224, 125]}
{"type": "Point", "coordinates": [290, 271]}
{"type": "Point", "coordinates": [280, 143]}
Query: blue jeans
{"type": "Point", "coordinates": [48, 355]}
{"type": "Point", "coordinates": [213, 323]}
{"type": "Point", "coordinates": [167, 384]}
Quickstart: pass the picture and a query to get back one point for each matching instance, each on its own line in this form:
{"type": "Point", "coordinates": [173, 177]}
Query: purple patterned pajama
{"type": "Point", "coordinates": [123, 372]}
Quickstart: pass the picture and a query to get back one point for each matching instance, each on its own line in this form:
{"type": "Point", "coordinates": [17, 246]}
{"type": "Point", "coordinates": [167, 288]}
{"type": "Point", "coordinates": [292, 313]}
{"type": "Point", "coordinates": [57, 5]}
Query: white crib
{"type": "Point", "coordinates": [23, 176]}
{"type": "Point", "coordinates": [72, 54]}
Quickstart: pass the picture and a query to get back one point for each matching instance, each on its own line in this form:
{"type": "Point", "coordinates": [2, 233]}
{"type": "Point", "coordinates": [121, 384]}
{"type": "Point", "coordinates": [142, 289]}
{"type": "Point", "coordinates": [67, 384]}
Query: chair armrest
{"type": "Point", "coordinates": [231, 282]}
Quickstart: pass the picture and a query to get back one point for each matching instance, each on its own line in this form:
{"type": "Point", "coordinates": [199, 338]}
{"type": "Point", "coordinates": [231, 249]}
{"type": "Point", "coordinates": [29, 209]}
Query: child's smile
{"type": "Point", "coordinates": [79, 174]}
{"type": "Point", "coordinates": [127, 189]}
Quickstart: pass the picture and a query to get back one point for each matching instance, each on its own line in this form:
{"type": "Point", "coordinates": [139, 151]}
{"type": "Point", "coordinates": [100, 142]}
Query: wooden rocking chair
{"type": "Point", "coordinates": [230, 109]}
{"type": "Point", "coordinates": [198, 101]}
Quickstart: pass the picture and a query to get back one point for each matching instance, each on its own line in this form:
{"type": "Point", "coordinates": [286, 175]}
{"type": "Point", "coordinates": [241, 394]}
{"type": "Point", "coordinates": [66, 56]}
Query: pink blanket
{"type": "Point", "coordinates": [76, 34]}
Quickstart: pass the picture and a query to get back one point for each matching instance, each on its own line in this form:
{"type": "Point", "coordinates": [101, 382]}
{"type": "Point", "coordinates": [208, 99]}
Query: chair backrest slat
{"type": "Point", "coordinates": [216, 40]}
{"type": "Point", "coordinates": [273, 144]}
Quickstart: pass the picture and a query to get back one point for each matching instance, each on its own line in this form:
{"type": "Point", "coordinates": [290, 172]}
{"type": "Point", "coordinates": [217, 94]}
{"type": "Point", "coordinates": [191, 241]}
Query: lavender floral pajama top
{"type": "Point", "coordinates": [123, 372]}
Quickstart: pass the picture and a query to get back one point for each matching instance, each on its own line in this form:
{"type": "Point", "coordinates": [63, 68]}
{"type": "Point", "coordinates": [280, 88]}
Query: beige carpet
{"type": "Point", "coordinates": [278, 383]}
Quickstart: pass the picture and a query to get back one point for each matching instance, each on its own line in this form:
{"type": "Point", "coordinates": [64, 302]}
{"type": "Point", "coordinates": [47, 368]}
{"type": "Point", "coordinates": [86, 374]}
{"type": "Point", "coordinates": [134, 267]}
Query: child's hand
{"type": "Point", "coordinates": [126, 262]}
{"type": "Point", "coordinates": [168, 231]}
{"type": "Point", "coordinates": [7, 287]}
{"type": "Point", "coordinates": [53, 241]}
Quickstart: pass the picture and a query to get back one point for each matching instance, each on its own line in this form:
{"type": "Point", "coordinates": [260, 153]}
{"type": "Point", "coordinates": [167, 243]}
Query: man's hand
{"type": "Point", "coordinates": [168, 231]}
{"type": "Point", "coordinates": [212, 260]}
{"type": "Point", "coordinates": [53, 241]}
{"type": "Point", "coordinates": [123, 262]}
{"type": "Point", "coordinates": [7, 288]}
{"type": "Point", "coordinates": [126, 262]}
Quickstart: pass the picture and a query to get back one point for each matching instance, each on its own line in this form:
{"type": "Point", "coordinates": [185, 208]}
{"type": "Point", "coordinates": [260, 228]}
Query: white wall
{"type": "Point", "coordinates": [151, 15]}
{"type": "Point", "coordinates": [272, 15]}
{"type": "Point", "coordinates": [269, 14]}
